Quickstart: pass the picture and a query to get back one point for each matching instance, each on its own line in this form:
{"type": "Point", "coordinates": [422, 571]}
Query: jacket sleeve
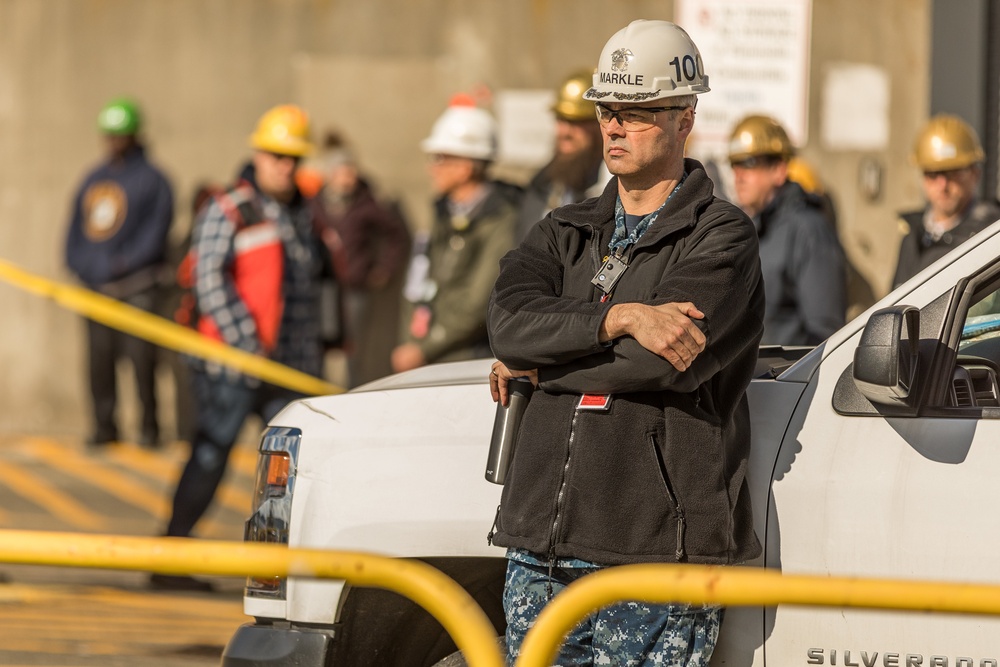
{"type": "Point", "coordinates": [531, 325]}
{"type": "Point", "coordinates": [215, 288]}
{"type": "Point", "coordinates": [75, 249]}
{"type": "Point", "coordinates": [721, 275]}
{"type": "Point", "coordinates": [819, 278]}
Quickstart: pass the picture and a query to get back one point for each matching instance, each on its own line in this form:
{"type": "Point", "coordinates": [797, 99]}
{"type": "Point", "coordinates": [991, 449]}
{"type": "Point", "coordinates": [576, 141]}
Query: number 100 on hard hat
{"type": "Point", "coordinates": [648, 60]}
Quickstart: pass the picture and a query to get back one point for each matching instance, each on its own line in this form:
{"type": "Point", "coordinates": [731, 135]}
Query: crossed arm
{"type": "Point", "coordinates": [705, 311]}
{"type": "Point", "coordinates": [667, 330]}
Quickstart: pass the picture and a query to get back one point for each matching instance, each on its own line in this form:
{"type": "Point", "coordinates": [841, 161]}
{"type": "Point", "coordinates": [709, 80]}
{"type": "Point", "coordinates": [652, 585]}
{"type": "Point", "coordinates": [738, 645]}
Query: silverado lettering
{"type": "Point", "coordinates": [818, 656]}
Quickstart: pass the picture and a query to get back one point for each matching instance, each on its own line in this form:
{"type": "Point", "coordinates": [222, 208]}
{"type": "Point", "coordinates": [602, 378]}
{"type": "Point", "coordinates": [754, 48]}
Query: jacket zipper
{"type": "Point", "coordinates": [493, 528]}
{"type": "Point", "coordinates": [679, 552]}
{"type": "Point", "coordinates": [554, 529]}
{"type": "Point", "coordinates": [595, 252]}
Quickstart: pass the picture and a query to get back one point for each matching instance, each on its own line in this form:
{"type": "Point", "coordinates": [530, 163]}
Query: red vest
{"type": "Point", "coordinates": [258, 267]}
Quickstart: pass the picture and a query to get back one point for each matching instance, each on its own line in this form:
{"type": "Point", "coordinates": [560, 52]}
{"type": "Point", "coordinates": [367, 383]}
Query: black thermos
{"type": "Point", "coordinates": [505, 427]}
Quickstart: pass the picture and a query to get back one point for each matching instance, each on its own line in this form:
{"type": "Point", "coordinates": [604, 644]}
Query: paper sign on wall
{"type": "Point", "coordinates": [756, 55]}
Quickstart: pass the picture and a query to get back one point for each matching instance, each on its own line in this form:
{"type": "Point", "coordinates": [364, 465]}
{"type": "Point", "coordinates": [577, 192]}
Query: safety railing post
{"type": "Point", "coordinates": [161, 331]}
{"type": "Point", "coordinates": [440, 595]}
{"type": "Point", "coordinates": [741, 586]}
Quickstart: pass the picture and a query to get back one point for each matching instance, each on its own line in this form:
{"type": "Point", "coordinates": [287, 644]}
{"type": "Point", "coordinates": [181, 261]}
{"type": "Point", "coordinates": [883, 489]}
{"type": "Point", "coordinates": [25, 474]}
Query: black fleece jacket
{"type": "Point", "coordinates": [660, 476]}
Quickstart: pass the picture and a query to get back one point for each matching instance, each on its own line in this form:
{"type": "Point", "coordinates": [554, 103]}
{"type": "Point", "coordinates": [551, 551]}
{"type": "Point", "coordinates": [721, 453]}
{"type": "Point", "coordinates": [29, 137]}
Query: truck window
{"type": "Point", "coordinates": [982, 321]}
{"type": "Point", "coordinates": [974, 381]}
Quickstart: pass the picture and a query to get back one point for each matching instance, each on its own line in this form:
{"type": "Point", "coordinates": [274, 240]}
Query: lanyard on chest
{"type": "Point", "coordinates": [611, 271]}
{"type": "Point", "coordinates": [615, 264]}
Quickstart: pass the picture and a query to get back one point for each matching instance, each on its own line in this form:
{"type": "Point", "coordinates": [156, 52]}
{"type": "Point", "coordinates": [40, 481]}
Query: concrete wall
{"type": "Point", "coordinates": [379, 70]}
{"type": "Point", "coordinates": [893, 36]}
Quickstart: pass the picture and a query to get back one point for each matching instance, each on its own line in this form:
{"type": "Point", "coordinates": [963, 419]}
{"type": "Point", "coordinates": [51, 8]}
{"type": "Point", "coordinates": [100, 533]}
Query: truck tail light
{"type": "Point", "coordinates": [272, 501]}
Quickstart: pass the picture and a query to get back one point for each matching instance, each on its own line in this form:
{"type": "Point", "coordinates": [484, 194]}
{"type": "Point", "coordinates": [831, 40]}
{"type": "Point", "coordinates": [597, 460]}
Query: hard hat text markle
{"type": "Point", "coordinates": [624, 79]}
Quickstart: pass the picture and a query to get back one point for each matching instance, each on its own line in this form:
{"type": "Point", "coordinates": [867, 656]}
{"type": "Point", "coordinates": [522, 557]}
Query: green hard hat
{"type": "Point", "coordinates": [119, 116]}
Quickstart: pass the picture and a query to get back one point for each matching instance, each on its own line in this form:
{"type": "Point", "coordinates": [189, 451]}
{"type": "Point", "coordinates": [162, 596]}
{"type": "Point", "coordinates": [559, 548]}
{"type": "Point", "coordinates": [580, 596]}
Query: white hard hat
{"type": "Point", "coordinates": [648, 60]}
{"type": "Point", "coordinates": [463, 131]}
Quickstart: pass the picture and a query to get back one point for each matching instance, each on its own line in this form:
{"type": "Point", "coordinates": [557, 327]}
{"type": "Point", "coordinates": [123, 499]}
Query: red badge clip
{"type": "Point", "coordinates": [601, 402]}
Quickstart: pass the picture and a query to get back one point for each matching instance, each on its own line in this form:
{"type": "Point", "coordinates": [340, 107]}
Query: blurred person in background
{"type": "Point", "coordinates": [860, 295]}
{"type": "Point", "coordinates": [577, 170]}
{"type": "Point", "coordinates": [449, 282]}
{"type": "Point", "coordinates": [258, 260]}
{"type": "Point", "coordinates": [949, 155]}
{"type": "Point", "coordinates": [374, 246]}
{"type": "Point", "coordinates": [117, 245]}
{"type": "Point", "coordinates": [805, 284]}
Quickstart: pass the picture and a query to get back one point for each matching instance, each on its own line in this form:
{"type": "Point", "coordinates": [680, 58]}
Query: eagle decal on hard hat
{"type": "Point", "coordinates": [620, 60]}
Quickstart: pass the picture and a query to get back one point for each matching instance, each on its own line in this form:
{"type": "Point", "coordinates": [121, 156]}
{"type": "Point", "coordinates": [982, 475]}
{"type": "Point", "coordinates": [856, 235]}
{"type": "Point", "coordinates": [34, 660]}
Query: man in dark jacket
{"type": "Point", "coordinates": [117, 245]}
{"type": "Point", "coordinates": [637, 315]}
{"type": "Point", "coordinates": [948, 153]}
{"type": "Point", "coordinates": [805, 278]}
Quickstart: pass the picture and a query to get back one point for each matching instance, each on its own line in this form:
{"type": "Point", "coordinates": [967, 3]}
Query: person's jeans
{"type": "Point", "coordinates": [222, 406]}
{"type": "Point", "coordinates": [627, 634]}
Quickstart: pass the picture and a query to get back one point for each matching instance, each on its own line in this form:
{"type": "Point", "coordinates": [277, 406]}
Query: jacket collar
{"type": "Point", "coordinates": [789, 194]}
{"type": "Point", "coordinates": [248, 177]}
{"type": "Point", "coordinates": [680, 212]}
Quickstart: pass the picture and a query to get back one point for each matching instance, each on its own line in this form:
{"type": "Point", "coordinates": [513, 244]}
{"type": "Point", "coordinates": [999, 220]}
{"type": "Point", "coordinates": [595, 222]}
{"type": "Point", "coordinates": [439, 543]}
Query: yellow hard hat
{"type": "Point", "coordinates": [283, 130]}
{"type": "Point", "coordinates": [570, 104]}
{"type": "Point", "coordinates": [801, 172]}
{"type": "Point", "coordinates": [756, 136]}
{"type": "Point", "coordinates": [946, 142]}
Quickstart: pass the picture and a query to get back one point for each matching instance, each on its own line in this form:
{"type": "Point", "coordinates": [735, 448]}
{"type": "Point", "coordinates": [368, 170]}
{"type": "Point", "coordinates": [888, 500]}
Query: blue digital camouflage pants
{"type": "Point", "coordinates": [628, 634]}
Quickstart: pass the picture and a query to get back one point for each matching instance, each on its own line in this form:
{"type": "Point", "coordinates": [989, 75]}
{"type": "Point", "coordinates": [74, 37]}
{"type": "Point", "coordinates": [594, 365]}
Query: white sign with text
{"type": "Point", "coordinates": [756, 55]}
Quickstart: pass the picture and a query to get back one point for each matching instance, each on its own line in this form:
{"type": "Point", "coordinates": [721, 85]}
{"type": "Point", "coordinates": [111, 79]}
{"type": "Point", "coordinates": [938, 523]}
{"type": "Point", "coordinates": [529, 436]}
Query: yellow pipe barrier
{"type": "Point", "coordinates": [162, 331]}
{"type": "Point", "coordinates": [739, 586]}
{"type": "Point", "coordinates": [441, 596]}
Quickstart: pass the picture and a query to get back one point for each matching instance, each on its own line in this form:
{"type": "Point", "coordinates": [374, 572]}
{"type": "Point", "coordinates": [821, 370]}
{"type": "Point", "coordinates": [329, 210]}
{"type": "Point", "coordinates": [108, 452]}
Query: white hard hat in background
{"type": "Point", "coordinates": [463, 131]}
{"type": "Point", "coordinates": [648, 60]}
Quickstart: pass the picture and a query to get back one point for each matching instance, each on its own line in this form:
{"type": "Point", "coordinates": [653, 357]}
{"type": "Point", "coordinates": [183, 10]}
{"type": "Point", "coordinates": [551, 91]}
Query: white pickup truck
{"type": "Point", "coordinates": [876, 454]}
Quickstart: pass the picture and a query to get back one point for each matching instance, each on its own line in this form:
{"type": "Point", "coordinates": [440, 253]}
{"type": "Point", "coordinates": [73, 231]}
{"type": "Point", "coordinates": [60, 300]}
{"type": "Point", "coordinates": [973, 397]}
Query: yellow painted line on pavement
{"type": "Point", "coordinates": [41, 492]}
{"type": "Point", "coordinates": [95, 622]}
{"type": "Point", "coordinates": [230, 494]}
{"type": "Point", "coordinates": [162, 331]}
{"type": "Point", "coordinates": [111, 481]}
{"type": "Point", "coordinates": [244, 459]}
{"type": "Point", "coordinates": [236, 498]}
{"type": "Point", "coordinates": [95, 472]}
{"type": "Point", "coordinates": [101, 600]}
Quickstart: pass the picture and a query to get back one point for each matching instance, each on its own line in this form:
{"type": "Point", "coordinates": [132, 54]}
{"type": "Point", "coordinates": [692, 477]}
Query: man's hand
{"type": "Point", "coordinates": [667, 330]}
{"type": "Point", "coordinates": [500, 375]}
{"type": "Point", "coordinates": [407, 357]}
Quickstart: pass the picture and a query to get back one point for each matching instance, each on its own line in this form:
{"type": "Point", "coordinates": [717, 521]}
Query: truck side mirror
{"type": "Point", "coordinates": [885, 362]}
